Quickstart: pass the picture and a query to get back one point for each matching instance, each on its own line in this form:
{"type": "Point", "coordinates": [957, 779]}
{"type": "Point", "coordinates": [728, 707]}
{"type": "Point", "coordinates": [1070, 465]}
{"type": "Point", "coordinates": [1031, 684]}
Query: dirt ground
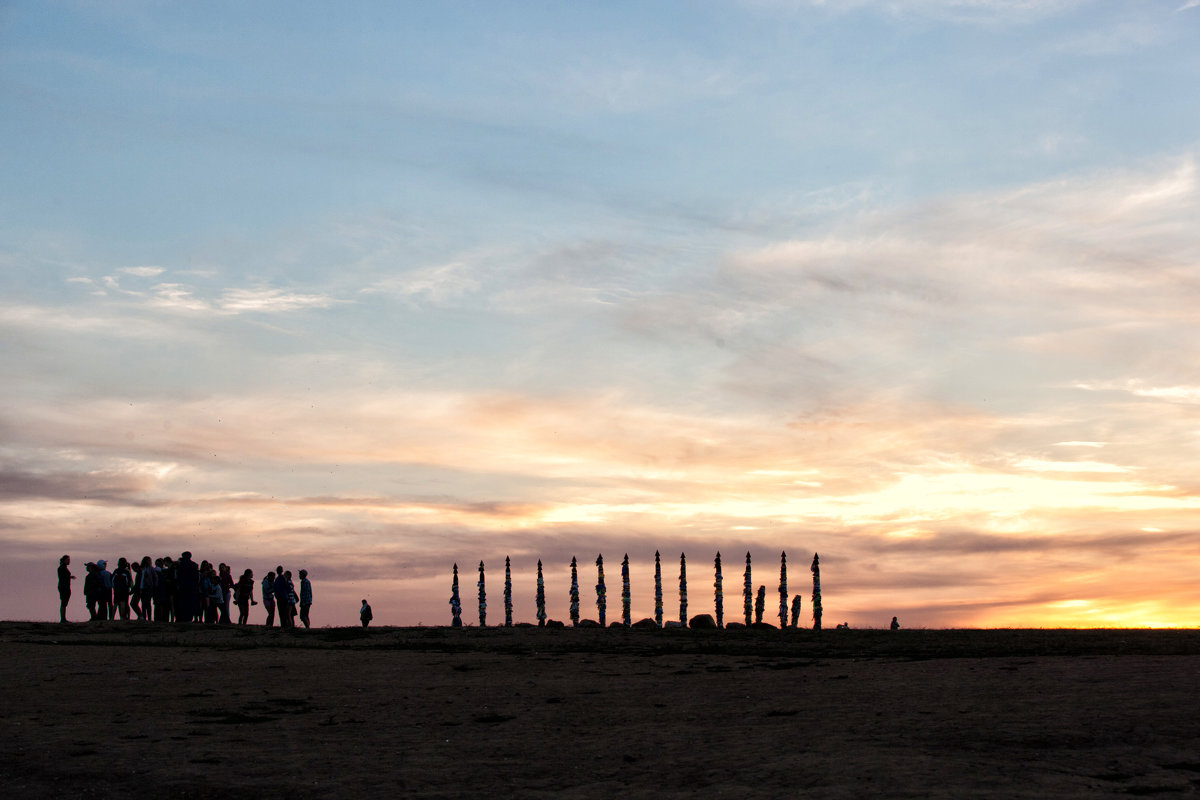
{"type": "Point", "coordinates": [145, 710]}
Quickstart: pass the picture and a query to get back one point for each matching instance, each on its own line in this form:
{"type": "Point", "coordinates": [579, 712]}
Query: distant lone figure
{"type": "Point", "coordinates": [64, 587]}
{"type": "Point", "coordinates": [364, 613]}
{"type": "Point", "coordinates": [305, 597]}
{"type": "Point", "coordinates": [895, 624]}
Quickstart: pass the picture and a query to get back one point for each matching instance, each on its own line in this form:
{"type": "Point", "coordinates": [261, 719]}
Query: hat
{"type": "Point", "coordinates": [102, 563]}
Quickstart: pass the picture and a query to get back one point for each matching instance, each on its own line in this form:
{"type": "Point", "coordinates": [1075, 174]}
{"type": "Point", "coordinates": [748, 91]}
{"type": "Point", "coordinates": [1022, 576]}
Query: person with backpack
{"type": "Point", "coordinates": [121, 583]}
{"type": "Point", "coordinates": [365, 614]}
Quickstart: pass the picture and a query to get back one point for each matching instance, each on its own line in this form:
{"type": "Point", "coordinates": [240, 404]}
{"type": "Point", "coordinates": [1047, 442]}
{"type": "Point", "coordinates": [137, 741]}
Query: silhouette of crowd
{"type": "Point", "coordinates": [180, 590]}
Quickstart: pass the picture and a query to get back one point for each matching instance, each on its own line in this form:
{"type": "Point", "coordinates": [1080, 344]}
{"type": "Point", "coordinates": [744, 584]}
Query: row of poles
{"type": "Point", "coordinates": [753, 611]}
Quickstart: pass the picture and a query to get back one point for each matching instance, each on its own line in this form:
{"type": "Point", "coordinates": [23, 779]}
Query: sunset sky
{"type": "Point", "coordinates": [374, 288]}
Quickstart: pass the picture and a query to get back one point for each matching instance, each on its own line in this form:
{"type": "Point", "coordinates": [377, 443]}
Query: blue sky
{"type": "Point", "coordinates": [378, 288]}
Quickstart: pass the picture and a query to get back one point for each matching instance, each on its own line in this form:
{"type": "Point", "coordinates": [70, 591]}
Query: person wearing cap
{"type": "Point", "coordinates": [305, 597]}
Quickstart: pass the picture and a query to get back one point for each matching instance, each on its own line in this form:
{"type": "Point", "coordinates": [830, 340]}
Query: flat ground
{"type": "Point", "coordinates": [129, 709]}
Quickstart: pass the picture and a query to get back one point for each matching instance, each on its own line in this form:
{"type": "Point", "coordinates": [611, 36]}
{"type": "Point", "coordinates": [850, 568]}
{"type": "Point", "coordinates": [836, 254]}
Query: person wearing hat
{"type": "Point", "coordinates": [305, 597]}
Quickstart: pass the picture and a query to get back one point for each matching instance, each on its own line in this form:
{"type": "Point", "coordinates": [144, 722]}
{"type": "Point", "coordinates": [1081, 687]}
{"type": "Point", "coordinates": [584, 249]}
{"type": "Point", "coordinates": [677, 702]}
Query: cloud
{"type": "Point", "coordinates": [142, 272]}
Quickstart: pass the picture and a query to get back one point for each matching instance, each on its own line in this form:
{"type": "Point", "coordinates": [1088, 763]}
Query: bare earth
{"type": "Point", "coordinates": [143, 710]}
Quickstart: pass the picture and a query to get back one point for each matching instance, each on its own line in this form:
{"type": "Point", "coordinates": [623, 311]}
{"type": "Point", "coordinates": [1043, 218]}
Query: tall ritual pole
{"type": "Point", "coordinates": [816, 597]}
{"type": "Point", "coordinates": [625, 596]}
{"type": "Point", "coordinates": [541, 597]}
{"type": "Point", "coordinates": [783, 592]}
{"type": "Point", "coordinates": [683, 590]}
{"type": "Point", "coordinates": [507, 592]}
{"type": "Point", "coordinates": [748, 591]}
{"type": "Point", "coordinates": [658, 614]}
{"type": "Point", "coordinates": [455, 603]}
{"type": "Point", "coordinates": [482, 599]}
{"type": "Point", "coordinates": [719, 596]}
{"type": "Point", "coordinates": [574, 593]}
{"type": "Point", "coordinates": [601, 593]}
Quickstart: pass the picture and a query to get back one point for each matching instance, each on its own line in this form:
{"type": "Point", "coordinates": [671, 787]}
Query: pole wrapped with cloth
{"type": "Point", "coordinates": [541, 597]}
{"type": "Point", "coordinates": [601, 592]}
{"type": "Point", "coordinates": [748, 592]}
{"type": "Point", "coordinates": [625, 596]}
{"type": "Point", "coordinates": [783, 592]}
{"type": "Point", "coordinates": [719, 596]}
{"type": "Point", "coordinates": [683, 589]}
{"type": "Point", "coordinates": [574, 593]}
{"type": "Point", "coordinates": [455, 602]}
{"type": "Point", "coordinates": [482, 598]}
{"type": "Point", "coordinates": [816, 595]}
{"type": "Point", "coordinates": [507, 592]}
{"type": "Point", "coordinates": [658, 612]}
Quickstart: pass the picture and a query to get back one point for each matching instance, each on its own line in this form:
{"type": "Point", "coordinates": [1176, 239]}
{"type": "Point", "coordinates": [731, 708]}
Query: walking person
{"type": "Point", "coordinates": [268, 596]}
{"type": "Point", "coordinates": [64, 587]}
{"type": "Point", "coordinates": [365, 614]}
{"type": "Point", "coordinates": [305, 597]}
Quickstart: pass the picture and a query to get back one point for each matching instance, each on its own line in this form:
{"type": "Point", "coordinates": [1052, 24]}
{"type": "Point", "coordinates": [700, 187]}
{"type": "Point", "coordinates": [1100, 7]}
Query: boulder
{"type": "Point", "coordinates": [553, 623]}
{"type": "Point", "coordinates": [733, 626]}
{"type": "Point", "coordinates": [588, 623]}
{"type": "Point", "coordinates": [646, 624]}
{"type": "Point", "coordinates": [703, 622]}
{"type": "Point", "coordinates": [763, 626]}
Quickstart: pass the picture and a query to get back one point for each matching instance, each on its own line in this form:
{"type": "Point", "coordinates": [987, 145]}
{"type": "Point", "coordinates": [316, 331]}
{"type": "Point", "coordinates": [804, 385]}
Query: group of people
{"type": "Point", "coordinates": [180, 590]}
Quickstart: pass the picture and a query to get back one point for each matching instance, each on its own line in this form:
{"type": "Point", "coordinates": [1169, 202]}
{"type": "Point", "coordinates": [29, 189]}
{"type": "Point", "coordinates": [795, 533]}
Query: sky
{"type": "Point", "coordinates": [373, 289]}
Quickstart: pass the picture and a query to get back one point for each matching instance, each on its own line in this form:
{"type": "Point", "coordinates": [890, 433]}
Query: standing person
{"type": "Point", "coordinates": [64, 587]}
{"type": "Point", "coordinates": [135, 593]}
{"type": "Point", "coordinates": [92, 586]}
{"type": "Point", "coordinates": [104, 607]}
{"type": "Point", "coordinates": [895, 624]}
{"type": "Point", "coordinates": [187, 584]}
{"type": "Point", "coordinates": [291, 598]}
{"type": "Point", "coordinates": [365, 614]}
{"type": "Point", "coordinates": [225, 575]}
{"type": "Point", "coordinates": [170, 590]}
{"type": "Point", "coordinates": [146, 584]}
{"type": "Point", "coordinates": [305, 597]}
{"type": "Point", "coordinates": [281, 598]}
{"type": "Point", "coordinates": [243, 595]}
{"type": "Point", "coordinates": [268, 595]}
{"type": "Point", "coordinates": [122, 581]}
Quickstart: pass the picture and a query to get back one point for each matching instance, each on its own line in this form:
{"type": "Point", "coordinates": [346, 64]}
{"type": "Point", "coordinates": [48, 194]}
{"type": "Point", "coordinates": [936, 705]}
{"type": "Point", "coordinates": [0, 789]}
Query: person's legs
{"type": "Point", "coordinates": [63, 599]}
{"type": "Point", "coordinates": [270, 606]}
{"type": "Point", "coordinates": [304, 615]}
